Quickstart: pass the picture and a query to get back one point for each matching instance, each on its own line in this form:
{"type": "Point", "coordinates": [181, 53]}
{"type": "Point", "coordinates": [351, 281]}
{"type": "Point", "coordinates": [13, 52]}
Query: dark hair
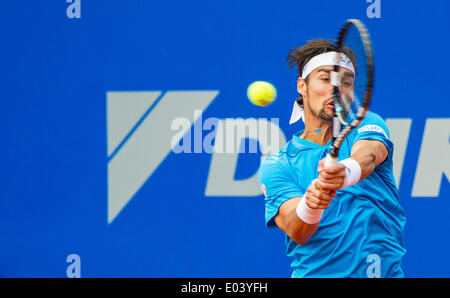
{"type": "Point", "coordinates": [300, 56]}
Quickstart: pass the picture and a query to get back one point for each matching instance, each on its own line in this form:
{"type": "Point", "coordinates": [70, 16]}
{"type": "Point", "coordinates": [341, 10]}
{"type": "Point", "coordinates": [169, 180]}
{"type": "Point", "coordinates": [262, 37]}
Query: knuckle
{"type": "Point", "coordinates": [319, 183]}
{"type": "Point", "coordinates": [311, 203]}
{"type": "Point", "coordinates": [333, 169]}
{"type": "Point", "coordinates": [324, 175]}
{"type": "Point", "coordinates": [314, 205]}
{"type": "Point", "coordinates": [325, 185]}
{"type": "Point", "coordinates": [326, 197]}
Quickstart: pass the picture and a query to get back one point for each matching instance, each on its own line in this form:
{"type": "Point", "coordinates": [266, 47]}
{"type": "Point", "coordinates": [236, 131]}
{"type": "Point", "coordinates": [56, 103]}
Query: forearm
{"type": "Point", "coordinates": [368, 154]}
{"type": "Point", "coordinates": [298, 230]}
{"type": "Point", "coordinates": [364, 157]}
{"type": "Point", "coordinates": [299, 217]}
{"type": "Point", "coordinates": [288, 221]}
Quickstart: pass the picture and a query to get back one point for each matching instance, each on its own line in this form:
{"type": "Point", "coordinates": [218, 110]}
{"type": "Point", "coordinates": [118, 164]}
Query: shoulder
{"type": "Point", "coordinates": [373, 122]}
{"type": "Point", "coordinates": [276, 163]}
{"type": "Point", "coordinates": [276, 159]}
{"type": "Point", "coordinates": [373, 127]}
{"type": "Point", "coordinates": [372, 116]}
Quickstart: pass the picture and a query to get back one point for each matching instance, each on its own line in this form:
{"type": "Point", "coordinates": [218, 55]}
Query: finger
{"type": "Point", "coordinates": [322, 196]}
{"type": "Point", "coordinates": [316, 185]}
{"type": "Point", "coordinates": [319, 194]}
{"type": "Point", "coordinates": [324, 187]}
{"type": "Point", "coordinates": [338, 181]}
{"type": "Point", "coordinates": [334, 168]}
{"type": "Point", "coordinates": [315, 203]}
{"type": "Point", "coordinates": [333, 185]}
{"type": "Point", "coordinates": [321, 164]}
{"type": "Point", "coordinates": [328, 175]}
{"type": "Point", "coordinates": [317, 206]}
{"type": "Point", "coordinates": [327, 187]}
{"type": "Point", "coordinates": [334, 181]}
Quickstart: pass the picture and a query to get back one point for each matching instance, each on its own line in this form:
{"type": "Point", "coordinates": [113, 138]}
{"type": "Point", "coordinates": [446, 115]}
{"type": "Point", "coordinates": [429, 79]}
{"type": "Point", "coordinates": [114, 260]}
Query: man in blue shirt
{"type": "Point", "coordinates": [333, 229]}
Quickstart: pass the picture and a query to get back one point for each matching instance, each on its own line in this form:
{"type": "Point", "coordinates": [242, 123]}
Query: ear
{"type": "Point", "coordinates": [301, 86]}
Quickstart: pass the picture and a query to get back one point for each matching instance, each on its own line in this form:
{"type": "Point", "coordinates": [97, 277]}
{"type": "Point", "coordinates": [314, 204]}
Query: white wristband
{"type": "Point", "coordinates": [352, 172]}
{"type": "Point", "coordinates": [306, 214]}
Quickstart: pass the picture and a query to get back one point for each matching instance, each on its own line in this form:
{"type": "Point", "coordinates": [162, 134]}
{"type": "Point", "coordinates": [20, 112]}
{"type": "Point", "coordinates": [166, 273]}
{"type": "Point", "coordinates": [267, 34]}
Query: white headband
{"type": "Point", "coordinates": [328, 58]}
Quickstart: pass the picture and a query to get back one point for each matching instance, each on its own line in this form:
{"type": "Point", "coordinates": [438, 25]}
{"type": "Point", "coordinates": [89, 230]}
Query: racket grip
{"type": "Point", "coordinates": [330, 161]}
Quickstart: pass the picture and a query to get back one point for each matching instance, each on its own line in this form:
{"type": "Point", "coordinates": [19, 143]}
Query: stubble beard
{"type": "Point", "coordinates": [321, 114]}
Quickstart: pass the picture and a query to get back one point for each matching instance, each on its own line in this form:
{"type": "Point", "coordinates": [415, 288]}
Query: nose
{"type": "Point", "coordinates": [330, 89]}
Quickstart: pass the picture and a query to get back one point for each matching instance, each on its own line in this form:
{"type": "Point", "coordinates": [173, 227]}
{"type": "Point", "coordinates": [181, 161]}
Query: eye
{"type": "Point", "coordinates": [325, 79]}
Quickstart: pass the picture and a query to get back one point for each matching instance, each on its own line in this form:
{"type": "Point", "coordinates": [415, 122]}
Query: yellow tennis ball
{"type": "Point", "coordinates": [261, 93]}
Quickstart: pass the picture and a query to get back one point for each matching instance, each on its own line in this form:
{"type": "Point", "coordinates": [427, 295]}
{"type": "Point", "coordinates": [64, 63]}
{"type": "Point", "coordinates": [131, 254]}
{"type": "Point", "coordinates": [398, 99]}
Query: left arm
{"type": "Point", "coordinates": [368, 154]}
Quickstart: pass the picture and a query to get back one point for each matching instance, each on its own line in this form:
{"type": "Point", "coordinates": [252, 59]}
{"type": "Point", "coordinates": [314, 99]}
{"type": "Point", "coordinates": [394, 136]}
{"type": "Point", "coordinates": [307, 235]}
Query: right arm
{"type": "Point", "coordinates": [288, 220]}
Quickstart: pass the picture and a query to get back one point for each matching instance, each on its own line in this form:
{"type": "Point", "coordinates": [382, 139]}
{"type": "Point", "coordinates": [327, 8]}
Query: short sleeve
{"type": "Point", "coordinates": [373, 127]}
{"type": "Point", "coordinates": [278, 187]}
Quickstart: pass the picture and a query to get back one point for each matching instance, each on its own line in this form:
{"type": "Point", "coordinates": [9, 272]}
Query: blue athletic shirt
{"type": "Point", "coordinates": [363, 224]}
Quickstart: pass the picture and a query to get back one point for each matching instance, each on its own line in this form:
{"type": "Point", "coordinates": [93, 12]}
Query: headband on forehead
{"type": "Point", "coordinates": [328, 58]}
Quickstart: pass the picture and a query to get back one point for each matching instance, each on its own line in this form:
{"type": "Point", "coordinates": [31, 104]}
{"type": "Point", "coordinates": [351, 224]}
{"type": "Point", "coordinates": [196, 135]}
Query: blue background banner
{"type": "Point", "coordinates": [87, 110]}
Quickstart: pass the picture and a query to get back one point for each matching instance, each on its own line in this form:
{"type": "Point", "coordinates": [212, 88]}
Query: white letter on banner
{"type": "Point", "coordinates": [434, 158]}
{"type": "Point", "coordinates": [74, 269]}
{"type": "Point", "coordinates": [374, 9]}
{"type": "Point", "coordinates": [183, 126]}
{"type": "Point", "coordinates": [74, 9]}
{"type": "Point", "coordinates": [145, 147]}
{"type": "Point", "coordinates": [221, 180]}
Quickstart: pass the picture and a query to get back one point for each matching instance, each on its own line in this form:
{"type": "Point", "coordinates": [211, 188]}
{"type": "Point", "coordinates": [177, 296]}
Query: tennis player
{"type": "Point", "coordinates": [344, 220]}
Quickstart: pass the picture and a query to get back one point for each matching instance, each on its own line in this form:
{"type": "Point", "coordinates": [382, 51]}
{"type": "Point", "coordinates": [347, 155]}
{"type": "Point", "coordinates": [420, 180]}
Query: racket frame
{"type": "Point", "coordinates": [338, 120]}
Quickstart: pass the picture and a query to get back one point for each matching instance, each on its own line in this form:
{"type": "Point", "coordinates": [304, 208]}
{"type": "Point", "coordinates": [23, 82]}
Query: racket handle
{"type": "Point", "coordinates": [330, 161]}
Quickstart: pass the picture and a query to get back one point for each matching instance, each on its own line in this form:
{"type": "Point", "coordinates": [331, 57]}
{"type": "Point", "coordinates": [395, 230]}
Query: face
{"type": "Point", "coordinates": [318, 92]}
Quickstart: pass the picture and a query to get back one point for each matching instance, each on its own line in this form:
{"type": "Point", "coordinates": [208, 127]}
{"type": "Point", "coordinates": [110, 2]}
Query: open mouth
{"type": "Point", "coordinates": [330, 104]}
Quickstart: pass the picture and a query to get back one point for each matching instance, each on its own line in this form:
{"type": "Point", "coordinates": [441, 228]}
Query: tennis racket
{"type": "Point", "coordinates": [351, 92]}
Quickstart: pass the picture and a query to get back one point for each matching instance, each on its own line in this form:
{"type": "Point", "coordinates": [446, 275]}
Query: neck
{"type": "Point", "coordinates": [317, 130]}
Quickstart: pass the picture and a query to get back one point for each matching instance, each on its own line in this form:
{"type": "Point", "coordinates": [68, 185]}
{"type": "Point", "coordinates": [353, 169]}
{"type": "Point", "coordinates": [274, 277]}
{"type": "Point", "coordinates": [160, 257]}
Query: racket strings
{"type": "Point", "coordinates": [352, 99]}
{"type": "Point", "coordinates": [352, 94]}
